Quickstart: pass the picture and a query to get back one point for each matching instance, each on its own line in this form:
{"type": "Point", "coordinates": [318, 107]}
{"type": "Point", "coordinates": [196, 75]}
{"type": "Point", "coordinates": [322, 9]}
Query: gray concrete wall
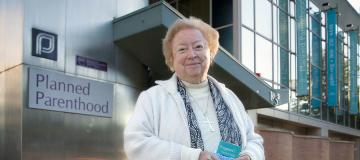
{"type": "Point", "coordinates": [11, 29]}
{"type": "Point", "coordinates": [2, 115]}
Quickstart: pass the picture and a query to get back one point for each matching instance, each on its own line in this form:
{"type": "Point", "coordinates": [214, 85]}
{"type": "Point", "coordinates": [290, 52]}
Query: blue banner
{"type": "Point", "coordinates": [316, 60]}
{"type": "Point", "coordinates": [315, 103]}
{"type": "Point", "coordinates": [340, 51]}
{"type": "Point", "coordinates": [284, 42]}
{"type": "Point", "coordinates": [301, 50]}
{"type": "Point", "coordinates": [332, 84]}
{"type": "Point", "coordinates": [354, 95]}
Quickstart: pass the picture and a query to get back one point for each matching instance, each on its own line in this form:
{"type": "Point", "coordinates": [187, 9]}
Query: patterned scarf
{"type": "Point", "coordinates": [229, 130]}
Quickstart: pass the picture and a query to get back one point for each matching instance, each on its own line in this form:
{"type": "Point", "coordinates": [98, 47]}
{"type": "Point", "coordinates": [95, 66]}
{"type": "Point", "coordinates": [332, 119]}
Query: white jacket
{"type": "Point", "coordinates": [158, 128]}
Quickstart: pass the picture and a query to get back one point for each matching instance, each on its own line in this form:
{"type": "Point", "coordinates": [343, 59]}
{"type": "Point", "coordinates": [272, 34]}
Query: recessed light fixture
{"type": "Point", "coordinates": [349, 25]}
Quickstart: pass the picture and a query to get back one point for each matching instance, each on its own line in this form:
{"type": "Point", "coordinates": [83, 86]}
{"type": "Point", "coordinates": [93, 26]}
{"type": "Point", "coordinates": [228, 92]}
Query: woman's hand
{"type": "Point", "coordinates": [205, 155]}
{"type": "Point", "coordinates": [243, 157]}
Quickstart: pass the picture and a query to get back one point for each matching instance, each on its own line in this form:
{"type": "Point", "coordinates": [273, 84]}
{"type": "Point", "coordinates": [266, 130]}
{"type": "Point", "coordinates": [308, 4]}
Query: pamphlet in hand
{"type": "Point", "coordinates": [228, 151]}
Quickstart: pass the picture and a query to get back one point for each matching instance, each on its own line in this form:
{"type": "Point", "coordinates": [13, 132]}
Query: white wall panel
{"type": "Point", "coordinates": [127, 6]}
{"type": "Point", "coordinates": [12, 21]}
{"type": "Point", "coordinates": [48, 16]}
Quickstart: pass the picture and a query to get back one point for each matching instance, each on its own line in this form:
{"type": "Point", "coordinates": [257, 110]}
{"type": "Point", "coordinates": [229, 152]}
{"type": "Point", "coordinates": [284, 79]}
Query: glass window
{"type": "Point", "coordinates": [198, 8]}
{"type": "Point", "coordinates": [313, 7]}
{"type": "Point", "coordinates": [226, 38]}
{"type": "Point", "coordinates": [222, 12]}
{"type": "Point", "coordinates": [315, 24]}
{"type": "Point", "coordinates": [358, 64]}
{"type": "Point", "coordinates": [323, 31]}
{"type": "Point", "coordinates": [292, 36]}
{"type": "Point", "coordinates": [247, 50]}
{"type": "Point", "coordinates": [283, 4]}
{"type": "Point", "coordinates": [310, 44]}
{"type": "Point", "coordinates": [275, 24]}
{"type": "Point", "coordinates": [292, 71]}
{"type": "Point", "coordinates": [345, 38]}
{"type": "Point", "coordinates": [222, 20]}
{"type": "Point", "coordinates": [323, 53]}
{"type": "Point", "coordinates": [292, 9]}
{"type": "Point", "coordinates": [346, 50]}
{"type": "Point", "coordinates": [263, 58]}
{"type": "Point", "coordinates": [293, 102]}
{"type": "Point", "coordinates": [263, 17]}
{"type": "Point", "coordinates": [247, 13]}
{"type": "Point", "coordinates": [283, 29]}
{"type": "Point", "coordinates": [284, 67]}
{"type": "Point", "coordinates": [323, 19]}
{"type": "Point", "coordinates": [276, 67]}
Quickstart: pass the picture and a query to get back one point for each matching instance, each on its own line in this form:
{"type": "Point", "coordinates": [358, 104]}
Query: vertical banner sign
{"type": "Point", "coordinates": [316, 61]}
{"type": "Point", "coordinates": [340, 51]}
{"type": "Point", "coordinates": [354, 95]}
{"type": "Point", "coordinates": [301, 50]}
{"type": "Point", "coordinates": [284, 41]}
{"type": "Point", "coordinates": [332, 84]}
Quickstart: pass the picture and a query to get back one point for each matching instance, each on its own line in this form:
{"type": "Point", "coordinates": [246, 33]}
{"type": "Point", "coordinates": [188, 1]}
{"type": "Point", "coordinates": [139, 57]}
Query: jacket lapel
{"type": "Point", "coordinates": [170, 86]}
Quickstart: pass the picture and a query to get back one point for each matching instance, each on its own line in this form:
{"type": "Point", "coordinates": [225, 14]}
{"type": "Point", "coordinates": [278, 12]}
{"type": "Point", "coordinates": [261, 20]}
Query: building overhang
{"type": "Point", "coordinates": [346, 12]}
{"type": "Point", "coordinates": [140, 33]}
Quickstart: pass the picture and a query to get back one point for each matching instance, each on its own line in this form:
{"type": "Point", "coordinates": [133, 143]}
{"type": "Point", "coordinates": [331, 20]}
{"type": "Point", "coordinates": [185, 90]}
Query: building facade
{"type": "Point", "coordinates": [70, 73]}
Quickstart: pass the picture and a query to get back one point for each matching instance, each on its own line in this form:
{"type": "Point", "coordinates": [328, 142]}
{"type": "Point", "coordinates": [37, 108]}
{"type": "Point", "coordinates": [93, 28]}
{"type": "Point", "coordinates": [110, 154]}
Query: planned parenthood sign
{"type": "Point", "coordinates": [58, 92]}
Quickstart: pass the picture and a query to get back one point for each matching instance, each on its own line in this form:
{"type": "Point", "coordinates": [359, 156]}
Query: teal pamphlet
{"type": "Point", "coordinates": [228, 149]}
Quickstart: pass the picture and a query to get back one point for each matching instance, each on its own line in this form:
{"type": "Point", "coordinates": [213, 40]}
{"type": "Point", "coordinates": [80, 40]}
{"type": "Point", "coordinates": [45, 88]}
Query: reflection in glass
{"type": "Point", "coordinates": [292, 9]}
{"type": "Point", "coordinates": [198, 8]}
{"type": "Point", "coordinates": [284, 68]}
{"type": "Point", "coordinates": [292, 71]}
{"type": "Point", "coordinates": [263, 58]}
{"type": "Point", "coordinates": [263, 17]}
{"type": "Point", "coordinates": [247, 13]}
{"type": "Point", "coordinates": [247, 50]}
{"type": "Point", "coordinates": [284, 29]}
{"type": "Point", "coordinates": [222, 12]}
{"type": "Point", "coordinates": [226, 38]}
{"type": "Point", "coordinates": [293, 102]}
{"type": "Point", "coordinates": [314, 8]}
{"type": "Point", "coordinates": [284, 43]}
{"type": "Point", "coordinates": [283, 4]}
{"type": "Point", "coordinates": [276, 67]}
{"type": "Point", "coordinates": [323, 19]}
{"type": "Point", "coordinates": [292, 36]}
{"type": "Point", "coordinates": [275, 24]}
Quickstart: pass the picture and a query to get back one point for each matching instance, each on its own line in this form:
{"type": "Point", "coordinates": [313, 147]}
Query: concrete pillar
{"type": "Point", "coordinates": [321, 132]}
{"type": "Point", "coordinates": [253, 116]}
{"type": "Point", "coordinates": [324, 132]}
{"type": "Point", "coordinates": [357, 149]}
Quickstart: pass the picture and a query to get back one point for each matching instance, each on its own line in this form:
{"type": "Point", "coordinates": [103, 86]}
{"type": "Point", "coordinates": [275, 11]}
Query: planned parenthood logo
{"type": "Point", "coordinates": [44, 44]}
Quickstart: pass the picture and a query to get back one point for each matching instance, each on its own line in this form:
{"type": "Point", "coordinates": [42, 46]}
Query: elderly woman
{"type": "Point", "coordinates": [188, 115]}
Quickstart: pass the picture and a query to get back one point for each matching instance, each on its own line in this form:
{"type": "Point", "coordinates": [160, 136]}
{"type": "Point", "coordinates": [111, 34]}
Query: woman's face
{"type": "Point", "coordinates": [191, 55]}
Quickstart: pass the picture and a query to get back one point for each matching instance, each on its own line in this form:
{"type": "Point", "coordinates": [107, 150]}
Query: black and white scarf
{"type": "Point", "coordinates": [229, 130]}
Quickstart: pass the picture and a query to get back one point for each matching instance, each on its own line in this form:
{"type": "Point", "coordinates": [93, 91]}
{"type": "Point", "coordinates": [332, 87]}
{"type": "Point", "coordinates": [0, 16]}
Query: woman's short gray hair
{"type": "Point", "coordinates": [211, 35]}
